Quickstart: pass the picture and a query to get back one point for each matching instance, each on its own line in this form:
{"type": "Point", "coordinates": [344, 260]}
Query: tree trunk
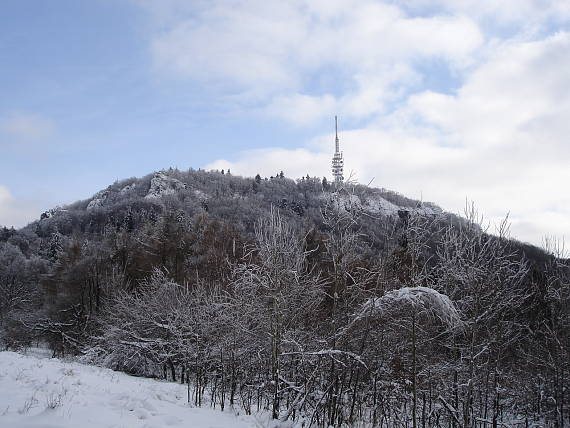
{"type": "Point", "coordinates": [414, 373]}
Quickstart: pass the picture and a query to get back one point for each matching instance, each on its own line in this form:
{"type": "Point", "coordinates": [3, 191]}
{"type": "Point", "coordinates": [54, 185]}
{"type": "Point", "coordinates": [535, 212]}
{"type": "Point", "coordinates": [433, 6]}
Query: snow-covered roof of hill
{"type": "Point", "coordinates": [202, 185]}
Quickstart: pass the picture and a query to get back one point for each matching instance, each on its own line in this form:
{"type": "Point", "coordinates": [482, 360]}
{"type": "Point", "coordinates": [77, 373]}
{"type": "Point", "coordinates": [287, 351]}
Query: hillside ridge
{"type": "Point", "coordinates": [204, 186]}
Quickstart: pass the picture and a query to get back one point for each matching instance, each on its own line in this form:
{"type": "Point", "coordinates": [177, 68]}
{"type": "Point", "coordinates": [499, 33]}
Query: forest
{"type": "Point", "coordinates": [322, 304]}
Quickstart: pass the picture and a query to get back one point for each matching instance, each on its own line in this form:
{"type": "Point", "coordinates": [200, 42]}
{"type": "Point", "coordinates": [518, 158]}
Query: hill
{"type": "Point", "coordinates": [341, 304]}
{"type": "Point", "coordinates": [236, 199]}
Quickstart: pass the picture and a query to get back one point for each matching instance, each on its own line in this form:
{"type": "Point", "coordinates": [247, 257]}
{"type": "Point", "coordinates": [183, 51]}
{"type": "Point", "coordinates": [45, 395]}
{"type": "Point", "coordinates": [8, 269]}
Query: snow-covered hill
{"type": "Point", "coordinates": [201, 186]}
{"type": "Point", "coordinates": [49, 393]}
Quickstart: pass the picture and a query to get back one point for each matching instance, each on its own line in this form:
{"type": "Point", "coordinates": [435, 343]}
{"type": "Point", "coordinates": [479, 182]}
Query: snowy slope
{"type": "Point", "coordinates": [377, 205]}
{"type": "Point", "coordinates": [49, 393]}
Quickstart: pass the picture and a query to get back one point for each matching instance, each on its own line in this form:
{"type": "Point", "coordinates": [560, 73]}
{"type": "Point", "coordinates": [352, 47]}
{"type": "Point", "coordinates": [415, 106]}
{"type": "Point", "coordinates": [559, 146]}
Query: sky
{"type": "Point", "coordinates": [445, 101]}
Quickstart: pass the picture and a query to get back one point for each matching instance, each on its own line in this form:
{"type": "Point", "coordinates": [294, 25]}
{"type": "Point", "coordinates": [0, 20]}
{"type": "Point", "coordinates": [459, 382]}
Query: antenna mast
{"type": "Point", "coordinates": [337, 160]}
{"type": "Point", "coordinates": [336, 135]}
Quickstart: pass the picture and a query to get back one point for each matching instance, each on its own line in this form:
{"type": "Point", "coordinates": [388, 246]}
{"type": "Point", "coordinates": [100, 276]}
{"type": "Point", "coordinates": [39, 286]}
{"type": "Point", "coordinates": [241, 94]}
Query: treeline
{"type": "Point", "coordinates": [312, 309]}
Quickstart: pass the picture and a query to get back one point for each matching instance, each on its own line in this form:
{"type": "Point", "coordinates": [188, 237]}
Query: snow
{"type": "Point", "coordinates": [161, 185]}
{"type": "Point", "coordinates": [98, 200]}
{"type": "Point", "coordinates": [201, 195]}
{"type": "Point", "coordinates": [427, 208]}
{"type": "Point", "coordinates": [49, 393]}
{"type": "Point", "coordinates": [342, 202]}
{"type": "Point", "coordinates": [127, 188]}
{"type": "Point", "coordinates": [377, 205]}
{"type": "Point", "coordinates": [47, 214]}
{"type": "Point", "coordinates": [420, 298]}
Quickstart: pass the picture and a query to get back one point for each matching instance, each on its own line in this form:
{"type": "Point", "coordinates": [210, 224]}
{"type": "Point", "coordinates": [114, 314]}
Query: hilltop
{"type": "Point", "coordinates": [200, 191]}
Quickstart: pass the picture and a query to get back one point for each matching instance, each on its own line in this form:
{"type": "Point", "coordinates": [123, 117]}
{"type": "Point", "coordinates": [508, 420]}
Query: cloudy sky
{"type": "Point", "coordinates": [443, 100]}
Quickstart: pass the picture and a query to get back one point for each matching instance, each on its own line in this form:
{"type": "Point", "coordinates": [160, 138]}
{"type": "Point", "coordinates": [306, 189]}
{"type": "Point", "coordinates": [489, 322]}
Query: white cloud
{"type": "Point", "coordinates": [266, 51]}
{"type": "Point", "coordinates": [302, 109]}
{"type": "Point", "coordinates": [520, 83]}
{"type": "Point", "coordinates": [26, 126]}
{"type": "Point", "coordinates": [370, 95]}
{"type": "Point", "coordinates": [245, 43]}
{"type": "Point", "coordinates": [501, 141]}
{"type": "Point", "coordinates": [16, 212]}
{"type": "Point", "coordinates": [528, 14]}
{"type": "Point", "coordinates": [5, 195]}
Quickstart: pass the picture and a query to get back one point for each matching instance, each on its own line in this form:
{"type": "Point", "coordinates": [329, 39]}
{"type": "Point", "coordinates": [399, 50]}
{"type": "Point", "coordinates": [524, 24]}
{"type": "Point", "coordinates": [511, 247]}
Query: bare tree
{"type": "Point", "coordinates": [484, 275]}
{"type": "Point", "coordinates": [274, 295]}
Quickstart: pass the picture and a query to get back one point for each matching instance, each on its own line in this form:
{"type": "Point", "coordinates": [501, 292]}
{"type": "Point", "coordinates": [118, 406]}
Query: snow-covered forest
{"type": "Point", "coordinates": [321, 305]}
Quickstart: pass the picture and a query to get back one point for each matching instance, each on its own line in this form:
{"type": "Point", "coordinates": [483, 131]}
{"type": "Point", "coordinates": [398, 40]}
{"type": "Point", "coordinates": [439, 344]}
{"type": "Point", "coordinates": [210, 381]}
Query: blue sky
{"type": "Point", "coordinates": [446, 100]}
{"type": "Point", "coordinates": [85, 67]}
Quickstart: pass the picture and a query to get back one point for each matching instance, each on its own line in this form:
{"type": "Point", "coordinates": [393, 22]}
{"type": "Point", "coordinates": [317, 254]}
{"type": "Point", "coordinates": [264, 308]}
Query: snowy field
{"type": "Point", "coordinates": [48, 393]}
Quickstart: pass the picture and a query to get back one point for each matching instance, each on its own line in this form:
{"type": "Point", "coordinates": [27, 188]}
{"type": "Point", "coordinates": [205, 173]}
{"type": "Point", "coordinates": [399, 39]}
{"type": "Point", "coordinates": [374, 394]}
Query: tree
{"type": "Point", "coordinates": [19, 294]}
{"type": "Point", "coordinates": [141, 329]}
{"type": "Point", "coordinates": [275, 294]}
{"type": "Point", "coordinates": [484, 275]}
{"type": "Point", "coordinates": [414, 310]}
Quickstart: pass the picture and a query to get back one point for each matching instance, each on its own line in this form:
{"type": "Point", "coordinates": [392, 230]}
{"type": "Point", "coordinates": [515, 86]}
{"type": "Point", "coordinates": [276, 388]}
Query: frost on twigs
{"type": "Point", "coordinates": [420, 300]}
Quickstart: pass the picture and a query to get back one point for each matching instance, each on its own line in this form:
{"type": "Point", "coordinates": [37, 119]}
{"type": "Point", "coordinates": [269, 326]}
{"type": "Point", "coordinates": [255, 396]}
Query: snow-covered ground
{"type": "Point", "coordinates": [49, 393]}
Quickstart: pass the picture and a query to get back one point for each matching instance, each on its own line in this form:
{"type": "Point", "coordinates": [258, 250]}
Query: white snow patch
{"type": "Point", "coordinates": [161, 185]}
{"type": "Point", "coordinates": [342, 202]}
{"type": "Point", "coordinates": [98, 200]}
{"type": "Point", "coordinates": [49, 393]}
{"type": "Point", "coordinates": [379, 205]}
{"type": "Point", "coordinates": [51, 212]}
{"type": "Point", "coordinates": [127, 188]}
{"type": "Point", "coordinates": [201, 195]}
{"type": "Point", "coordinates": [419, 298]}
{"type": "Point", "coordinates": [427, 208]}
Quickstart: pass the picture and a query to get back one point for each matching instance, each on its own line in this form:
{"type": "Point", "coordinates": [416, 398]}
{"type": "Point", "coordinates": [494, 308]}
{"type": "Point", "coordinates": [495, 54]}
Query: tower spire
{"type": "Point", "coordinates": [336, 135]}
{"type": "Point", "coordinates": [337, 160]}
